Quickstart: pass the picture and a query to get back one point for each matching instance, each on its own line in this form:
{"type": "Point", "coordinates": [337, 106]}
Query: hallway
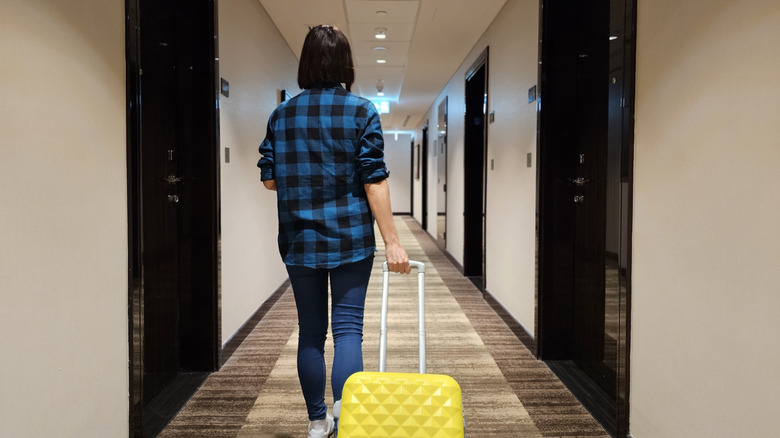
{"type": "Point", "coordinates": [256, 393]}
{"type": "Point", "coordinates": [701, 272]}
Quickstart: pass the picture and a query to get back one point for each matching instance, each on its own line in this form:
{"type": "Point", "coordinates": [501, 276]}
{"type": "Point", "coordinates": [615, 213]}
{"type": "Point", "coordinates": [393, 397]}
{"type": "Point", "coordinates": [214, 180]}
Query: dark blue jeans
{"type": "Point", "coordinates": [348, 295]}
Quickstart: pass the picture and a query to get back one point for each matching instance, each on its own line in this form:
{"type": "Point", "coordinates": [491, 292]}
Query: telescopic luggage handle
{"type": "Point", "coordinates": [421, 314]}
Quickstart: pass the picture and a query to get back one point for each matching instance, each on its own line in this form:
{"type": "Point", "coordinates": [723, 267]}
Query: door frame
{"type": "Point", "coordinates": [204, 314]}
{"type": "Point", "coordinates": [424, 174]}
{"type": "Point", "coordinates": [442, 147]}
{"type": "Point", "coordinates": [547, 225]}
{"type": "Point", "coordinates": [412, 168]}
{"type": "Point", "coordinates": [483, 60]}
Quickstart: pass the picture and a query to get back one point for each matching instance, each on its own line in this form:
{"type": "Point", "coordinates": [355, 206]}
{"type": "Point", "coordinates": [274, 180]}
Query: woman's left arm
{"type": "Point", "coordinates": [266, 163]}
{"type": "Point", "coordinates": [378, 195]}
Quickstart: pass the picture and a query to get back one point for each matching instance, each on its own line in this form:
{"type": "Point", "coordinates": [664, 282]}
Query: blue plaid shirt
{"type": "Point", "coordinates": [321, 147]}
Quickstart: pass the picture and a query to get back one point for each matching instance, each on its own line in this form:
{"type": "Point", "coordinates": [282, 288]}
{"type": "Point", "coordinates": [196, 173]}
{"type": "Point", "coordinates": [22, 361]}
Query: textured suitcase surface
{"type": "Point", "coordinates": [378, 405]}
{"type": "Point", "coordinates": [384, 405]}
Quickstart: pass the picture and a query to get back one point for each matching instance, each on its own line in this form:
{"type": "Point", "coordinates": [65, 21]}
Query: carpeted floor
{"type": "Point", "coordinates": [507, 392]}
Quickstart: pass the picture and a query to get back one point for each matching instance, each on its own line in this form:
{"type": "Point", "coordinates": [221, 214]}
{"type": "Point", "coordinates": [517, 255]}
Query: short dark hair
{"type": "Point", "coordinates": [325, 58]}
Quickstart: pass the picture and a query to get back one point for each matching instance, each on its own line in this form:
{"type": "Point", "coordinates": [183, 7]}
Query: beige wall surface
{"type": "Point", "coordinates": [257, 62]}
{"type": "Point", "coordinates": [63, 210]}
{"type": "Point", "coordinates": [511, 185]}
{"type": "Point", "coordinates": [706, 282]}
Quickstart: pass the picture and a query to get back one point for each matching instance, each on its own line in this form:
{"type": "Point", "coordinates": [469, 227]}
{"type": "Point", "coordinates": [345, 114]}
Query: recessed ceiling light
{"type": "Point", "coordinates": [381, 61]}
{"type": "Point", "coordinates": [380, 49]}
{"type": "Point", "coordinates": [380, 33]}
{"type": "Point", "coordinates": [381, 12]}
{"type": "Point", "coordinates": [381, 93]}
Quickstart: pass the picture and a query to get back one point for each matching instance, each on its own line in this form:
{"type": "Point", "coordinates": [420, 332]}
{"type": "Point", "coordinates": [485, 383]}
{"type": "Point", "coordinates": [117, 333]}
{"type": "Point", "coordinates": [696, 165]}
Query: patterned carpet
{"type": "Point", "coordinates": [454, 348]}
{"type": "Point", "coordinates": [507, 392]}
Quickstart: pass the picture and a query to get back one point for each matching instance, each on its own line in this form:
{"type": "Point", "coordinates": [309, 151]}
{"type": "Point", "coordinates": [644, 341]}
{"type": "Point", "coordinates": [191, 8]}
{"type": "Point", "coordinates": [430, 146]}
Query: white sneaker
{"type": "Point", "coordinates": [337, 409]}
{"type": "Point", "coordinates": [322, 428]}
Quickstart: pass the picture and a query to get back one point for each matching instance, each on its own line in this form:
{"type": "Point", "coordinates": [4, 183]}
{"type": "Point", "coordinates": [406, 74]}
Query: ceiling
{"type": "Point", "coordinates": [426, 42]}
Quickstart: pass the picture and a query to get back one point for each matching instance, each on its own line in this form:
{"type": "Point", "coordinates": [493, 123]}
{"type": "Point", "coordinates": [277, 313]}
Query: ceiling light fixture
{"type": "Point", "coordinates": [380, 33]}
{"type": "Point", "coordinates": [380, 85]}
{"type": "Point", "coordinates": [381, 61]}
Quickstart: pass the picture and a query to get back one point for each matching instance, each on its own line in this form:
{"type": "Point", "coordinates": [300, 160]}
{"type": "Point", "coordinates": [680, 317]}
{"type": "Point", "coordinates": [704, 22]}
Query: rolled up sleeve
{"type": "Point", "coordinates": [371, 156]}
{"type": "Point", "coordinates": [266, 163]}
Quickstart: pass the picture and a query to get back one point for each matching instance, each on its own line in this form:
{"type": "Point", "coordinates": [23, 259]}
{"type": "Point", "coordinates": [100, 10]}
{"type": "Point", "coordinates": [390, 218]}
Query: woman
{"type": "Point", "coordinates": [324, 155]}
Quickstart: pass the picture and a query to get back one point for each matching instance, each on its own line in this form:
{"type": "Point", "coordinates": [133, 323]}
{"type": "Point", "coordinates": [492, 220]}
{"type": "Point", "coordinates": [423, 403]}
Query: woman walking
{"type": "Point", "coordinates": [324, 155]}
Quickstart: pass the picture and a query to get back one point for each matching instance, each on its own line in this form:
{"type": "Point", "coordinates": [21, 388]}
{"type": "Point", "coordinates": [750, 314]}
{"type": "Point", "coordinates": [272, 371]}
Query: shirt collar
{"type": "Point", "coordinates": [326, 85]}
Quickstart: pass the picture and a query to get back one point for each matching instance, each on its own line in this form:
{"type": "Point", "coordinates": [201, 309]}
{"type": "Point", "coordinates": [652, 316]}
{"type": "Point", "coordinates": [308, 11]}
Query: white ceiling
{"type": "Point", "coordinates": [426, 42]}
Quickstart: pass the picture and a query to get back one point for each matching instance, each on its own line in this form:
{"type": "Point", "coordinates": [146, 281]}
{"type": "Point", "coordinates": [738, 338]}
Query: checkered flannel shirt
{"type": "Point", "coordinates": [321, 147]}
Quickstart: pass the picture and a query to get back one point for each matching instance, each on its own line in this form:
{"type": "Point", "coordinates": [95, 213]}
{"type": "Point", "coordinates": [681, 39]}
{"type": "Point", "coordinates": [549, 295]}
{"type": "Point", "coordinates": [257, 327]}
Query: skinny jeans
{"type": "Point", "coordinates": [348, 284]}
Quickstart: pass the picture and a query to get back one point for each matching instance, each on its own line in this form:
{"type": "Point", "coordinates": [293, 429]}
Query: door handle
{"type": "Point", "coordinates": [172, 179]}
{"type": "Point", "coordinates": [579, 181]}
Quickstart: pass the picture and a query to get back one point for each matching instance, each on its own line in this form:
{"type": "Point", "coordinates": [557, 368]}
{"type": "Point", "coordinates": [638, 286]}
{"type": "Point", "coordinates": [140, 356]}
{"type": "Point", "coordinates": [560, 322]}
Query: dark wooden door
{"type": "Point", "coordinates": [161, 207]}
{"type": "Point", "coordinates": [587, 183]}
{"type": "Point", "coordinates": [584, 199]}
{"type": "Point", "coordinates": [474, 173]}
{"type": "Point", "coordinates": [574, 125]}
{"type": "Point", "coordinates": [173, 205]}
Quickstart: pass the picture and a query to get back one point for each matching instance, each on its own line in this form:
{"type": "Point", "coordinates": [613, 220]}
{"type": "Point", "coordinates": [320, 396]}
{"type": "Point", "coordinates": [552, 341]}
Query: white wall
{"type": "Point", "coordinates": [63, 240]}
{"type": "Point", "coordinates": [398, 160]}
{"type": "Point", "coordinates": [706, 276]}
{"type": "Point", "coordinates": [257, 62]}
{"type": "Point", "coordinates": [511, 186]}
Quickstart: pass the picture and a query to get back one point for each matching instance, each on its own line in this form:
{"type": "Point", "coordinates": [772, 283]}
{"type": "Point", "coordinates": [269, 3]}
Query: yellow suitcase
{"type": "Point", "coordinates": [393, 405]}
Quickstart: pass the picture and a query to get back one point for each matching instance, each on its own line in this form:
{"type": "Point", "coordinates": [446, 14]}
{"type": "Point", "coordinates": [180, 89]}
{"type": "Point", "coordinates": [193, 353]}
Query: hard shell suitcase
{"type": "Point", "coordinates": [384, 405]}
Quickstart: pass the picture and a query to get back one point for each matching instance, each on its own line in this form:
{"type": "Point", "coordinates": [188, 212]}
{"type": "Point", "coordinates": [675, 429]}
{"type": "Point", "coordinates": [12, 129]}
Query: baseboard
{"type": "Point", "coordinates": [452, 260]}
{"type": "Point", "coordinates": [435, 241]}
{"type": "Point", "coordinates": [238, 337]}
{"type": "Point", "coordinates": [593, 398]}
{"type": "Point", "coordinates": [161, 409]}
{"type": "Point", "coordinates": [522, 334]}
{"type": "Point", "coordinates": [402, 213]}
